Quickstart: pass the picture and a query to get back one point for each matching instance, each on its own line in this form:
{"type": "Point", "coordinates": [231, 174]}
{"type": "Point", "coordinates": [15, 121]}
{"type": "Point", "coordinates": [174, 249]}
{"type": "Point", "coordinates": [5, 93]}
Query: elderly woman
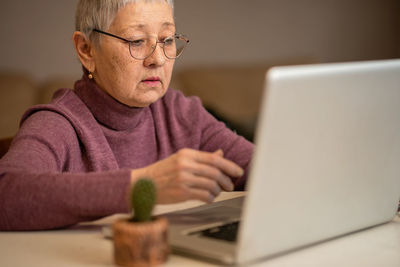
{"type": "Point", "coordinates": [75, 159]}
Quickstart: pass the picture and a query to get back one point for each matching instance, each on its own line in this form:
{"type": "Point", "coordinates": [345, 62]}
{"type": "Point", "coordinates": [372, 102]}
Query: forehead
{"type": "Point", "coordinates": [144, 15]}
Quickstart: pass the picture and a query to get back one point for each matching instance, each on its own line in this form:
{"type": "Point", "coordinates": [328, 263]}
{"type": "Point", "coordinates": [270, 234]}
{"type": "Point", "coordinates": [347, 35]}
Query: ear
{"type": "Point", "coordinates": [85, 50]}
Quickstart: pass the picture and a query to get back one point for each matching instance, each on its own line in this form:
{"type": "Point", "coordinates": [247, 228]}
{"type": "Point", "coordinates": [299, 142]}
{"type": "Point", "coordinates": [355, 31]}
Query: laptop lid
{"type": "Point", "coordinates": [327, 158]}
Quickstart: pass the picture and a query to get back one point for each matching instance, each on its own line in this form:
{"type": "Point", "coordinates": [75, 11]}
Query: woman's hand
{"type": "Point", "coordinates": [190, 174]}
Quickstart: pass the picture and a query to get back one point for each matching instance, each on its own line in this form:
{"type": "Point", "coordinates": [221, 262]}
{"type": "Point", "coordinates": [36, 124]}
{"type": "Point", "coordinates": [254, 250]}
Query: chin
{"type": "Point", "coordinates": [144, 98]}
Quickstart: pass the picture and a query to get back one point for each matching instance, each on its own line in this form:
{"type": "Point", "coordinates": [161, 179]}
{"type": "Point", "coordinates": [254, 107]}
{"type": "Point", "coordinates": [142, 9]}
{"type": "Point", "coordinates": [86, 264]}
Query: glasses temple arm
{"type": "Point", "coordinates": [112, 35]}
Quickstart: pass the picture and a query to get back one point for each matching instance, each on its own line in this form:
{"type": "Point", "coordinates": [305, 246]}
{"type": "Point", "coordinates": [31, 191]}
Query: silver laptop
{"type": "Point", "coordinates": [327, 163]}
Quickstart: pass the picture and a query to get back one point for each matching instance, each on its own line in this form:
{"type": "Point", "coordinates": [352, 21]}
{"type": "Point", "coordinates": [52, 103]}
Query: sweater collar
{"type": "Point", "coordinates": [107, 110]}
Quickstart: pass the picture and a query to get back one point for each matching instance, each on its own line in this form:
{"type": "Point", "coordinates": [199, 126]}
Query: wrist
{"type": "Point", "coordinates": [137, 174]}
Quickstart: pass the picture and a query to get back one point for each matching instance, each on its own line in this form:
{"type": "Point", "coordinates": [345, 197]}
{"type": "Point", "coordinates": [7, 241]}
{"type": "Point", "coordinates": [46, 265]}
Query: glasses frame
{"type": "Point", "coordinates": [180, 36]}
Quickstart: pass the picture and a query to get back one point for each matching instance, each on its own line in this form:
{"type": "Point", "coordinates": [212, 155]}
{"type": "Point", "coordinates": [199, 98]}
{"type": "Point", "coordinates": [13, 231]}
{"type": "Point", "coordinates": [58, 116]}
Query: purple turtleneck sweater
{"type": "Point", "coordinates": [71, 159]}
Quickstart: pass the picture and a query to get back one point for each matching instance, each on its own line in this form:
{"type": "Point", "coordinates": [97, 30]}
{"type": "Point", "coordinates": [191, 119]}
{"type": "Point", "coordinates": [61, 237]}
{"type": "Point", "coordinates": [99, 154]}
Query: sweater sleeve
{"type": "Point", "coordinates": [40, 185]}
{"type": "Point", "coordinates": [213, 134]}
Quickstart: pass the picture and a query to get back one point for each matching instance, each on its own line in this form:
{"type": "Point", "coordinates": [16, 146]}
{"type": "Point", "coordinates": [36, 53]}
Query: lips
{"type": "Point", "coordinates": [152, 79]}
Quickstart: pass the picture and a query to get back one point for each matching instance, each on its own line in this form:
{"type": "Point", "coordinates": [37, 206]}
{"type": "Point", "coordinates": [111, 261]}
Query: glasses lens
{"type": "Point", "coordinates": [142, 48]}
{"type": "Point", "coordinates": [174, 46]}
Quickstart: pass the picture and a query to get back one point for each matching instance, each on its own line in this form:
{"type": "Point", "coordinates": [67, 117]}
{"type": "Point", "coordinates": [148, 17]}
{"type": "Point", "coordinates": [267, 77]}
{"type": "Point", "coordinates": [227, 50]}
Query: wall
{"type": "Point", "coordinates": [226, 31]}
{"type": "Point", "coordinates": [36, 35]}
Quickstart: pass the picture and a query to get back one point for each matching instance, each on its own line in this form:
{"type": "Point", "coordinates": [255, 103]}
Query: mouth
{"type": "Point", "coordinates": [152, 81]}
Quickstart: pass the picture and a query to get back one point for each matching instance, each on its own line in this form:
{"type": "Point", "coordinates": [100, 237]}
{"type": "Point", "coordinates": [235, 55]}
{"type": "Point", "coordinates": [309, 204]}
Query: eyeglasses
{"type": "Point", "coordinates": [144, 46]}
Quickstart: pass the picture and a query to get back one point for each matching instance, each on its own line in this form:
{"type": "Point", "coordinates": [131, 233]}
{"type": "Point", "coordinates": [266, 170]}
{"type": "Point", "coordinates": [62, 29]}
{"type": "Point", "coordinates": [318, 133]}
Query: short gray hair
{"type": "Point", "coordinates": [99, 14]}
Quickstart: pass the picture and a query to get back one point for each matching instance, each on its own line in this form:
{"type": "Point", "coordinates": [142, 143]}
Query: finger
{"type": "Point", "coordinates": [186, 190]}
{"type": "Point", "coordinates": [202, 195]}
{"type": "Point", "coordinates": [219, 152]}
{"type": "Point", "coordinates": [212, 173]}
{"type": "Point", "coordinates": [204, 184]}
{"type": "Point", "coordinates": [225, 165]}
{"type": "Point", "coordinates": [188, 166]}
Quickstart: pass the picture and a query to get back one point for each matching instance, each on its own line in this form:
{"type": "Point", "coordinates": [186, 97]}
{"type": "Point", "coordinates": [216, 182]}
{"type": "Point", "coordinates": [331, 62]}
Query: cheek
{"type": "Point", "coordinates": [122, 70]}
{"type": "Point", "coordinates": [168, 70]}
{"type": "Point", "coordinates": [118, 65]}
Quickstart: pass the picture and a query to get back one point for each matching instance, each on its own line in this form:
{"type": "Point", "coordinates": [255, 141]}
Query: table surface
{"type": "Point", "coordinates": [85, 245]}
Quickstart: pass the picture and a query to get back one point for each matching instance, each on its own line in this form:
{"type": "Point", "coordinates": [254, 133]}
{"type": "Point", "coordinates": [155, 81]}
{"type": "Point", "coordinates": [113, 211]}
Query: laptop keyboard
{"type": "Point", "coordinates": [227, 232]}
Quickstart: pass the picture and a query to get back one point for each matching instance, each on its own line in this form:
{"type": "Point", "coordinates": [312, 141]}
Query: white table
{"type": "Point", "coordinates": [85, 245]}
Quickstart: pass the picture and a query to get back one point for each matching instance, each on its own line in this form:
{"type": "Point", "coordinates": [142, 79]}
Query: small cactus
{"type": "Point", "coordinates": [143, 198]}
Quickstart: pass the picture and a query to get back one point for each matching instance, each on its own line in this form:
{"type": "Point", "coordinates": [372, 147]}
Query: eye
{"type": "Point", "coordinates": [138, 42]}
{"type": "Point", "coordinates": [169, 41]}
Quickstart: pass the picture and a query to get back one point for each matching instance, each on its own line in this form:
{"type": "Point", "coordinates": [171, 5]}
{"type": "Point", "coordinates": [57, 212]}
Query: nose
{"type": "Point", "coordinates": [157, 58]}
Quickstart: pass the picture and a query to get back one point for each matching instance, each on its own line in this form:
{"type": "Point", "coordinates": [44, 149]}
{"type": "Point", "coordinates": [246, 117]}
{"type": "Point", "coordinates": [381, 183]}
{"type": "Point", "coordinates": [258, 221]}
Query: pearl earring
{"type": "Point", "coordinates": [90, 76]}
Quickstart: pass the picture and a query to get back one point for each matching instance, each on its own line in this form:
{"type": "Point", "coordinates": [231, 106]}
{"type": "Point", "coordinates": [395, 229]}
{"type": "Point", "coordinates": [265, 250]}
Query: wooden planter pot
{"type": "Point", "coordinates": [141, 243]}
